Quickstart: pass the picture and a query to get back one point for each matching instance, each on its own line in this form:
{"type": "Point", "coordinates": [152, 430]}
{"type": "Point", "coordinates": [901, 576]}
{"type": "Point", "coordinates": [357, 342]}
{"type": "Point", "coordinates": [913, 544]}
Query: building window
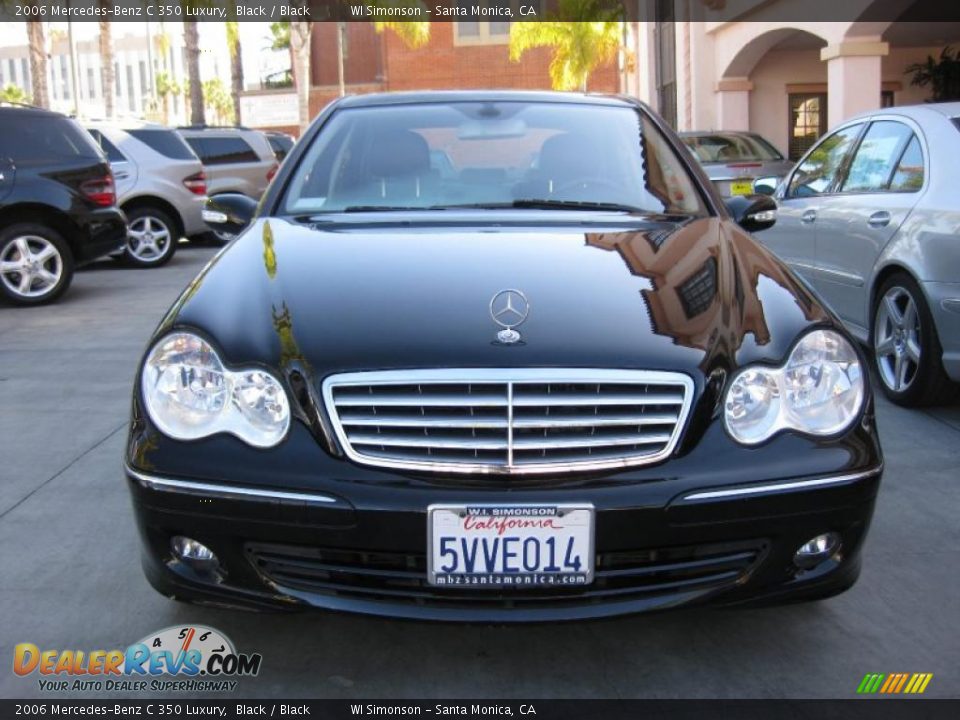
{"type": "Point", "coordinates": [64, 78]}
{"type": "Point", "coordinates": [481, 33]}
{"type": "Point", "coordinates": [24, 73]}
{"type": "Point", "coordinates": [91, 83]}
{"type": "Point", "coordinates": [117, 81]}
{"type": "Point", "coordinates": [665, 39]}
{"type": "Point", "coordinates": [494, 32]}
{"type": "Point", "coordinates": [144, 83]}
{"type": "Point", "coordinates": [886, 99]}
{"type": "Point", "coordinates": [131, 93]}
{"type": "Point", "coordinates": [808, 121]}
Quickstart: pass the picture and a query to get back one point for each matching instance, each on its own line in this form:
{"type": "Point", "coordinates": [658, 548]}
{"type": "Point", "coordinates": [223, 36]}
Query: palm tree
{"type": "Point", "coordinates": [165, 89]}
{"type": "Point", "coordinates": [14, 94]}
{"type": "Point", "coordinates": [38, 63]}
{"type": "Point", "coordinates": [300, 44]}
{"type": "Point", "coordinates": [579, 47]}
{"type": "Point", "coordinates": [191, 40]}
{"type": "Point", "coordinates": [413, 34]}
{"type": "Point", "coordinates": [236, 66]}
{"type": "Point", "coordinates": [108, 78]}
{"type": "Point", "coordinates": [280, 40]}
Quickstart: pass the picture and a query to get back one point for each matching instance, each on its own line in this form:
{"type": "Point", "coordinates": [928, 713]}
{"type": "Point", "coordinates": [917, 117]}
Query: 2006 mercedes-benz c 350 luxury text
{"type": "Point", "coordinates": [498, 357]}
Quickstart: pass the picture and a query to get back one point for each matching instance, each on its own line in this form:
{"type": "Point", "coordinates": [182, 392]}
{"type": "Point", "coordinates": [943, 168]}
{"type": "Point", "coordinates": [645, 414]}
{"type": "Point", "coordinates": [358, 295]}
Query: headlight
{"type": "Point", "coordinates": [189, 394]}
{"type": "Point", "coordinates": [819, 391]}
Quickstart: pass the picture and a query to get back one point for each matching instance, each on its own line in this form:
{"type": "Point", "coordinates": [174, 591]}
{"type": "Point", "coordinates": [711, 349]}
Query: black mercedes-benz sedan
{"type": "Point", "coordinates": [493, 356]}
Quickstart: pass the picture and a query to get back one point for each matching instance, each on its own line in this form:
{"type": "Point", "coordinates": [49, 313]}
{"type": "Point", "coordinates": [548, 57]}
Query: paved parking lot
{"type": "Point", "coordinates": [70, 574]}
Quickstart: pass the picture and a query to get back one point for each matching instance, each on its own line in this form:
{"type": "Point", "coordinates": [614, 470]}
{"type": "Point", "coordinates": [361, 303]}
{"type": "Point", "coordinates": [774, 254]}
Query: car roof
{"type": "Point", "coordinates": [7, 107]}
{"type": "Point", "coordinates": [451, 96]}
{"type": "Point", "coordinates": [915, 112]}
{"type": "Point", "coordinates": [125, 125]}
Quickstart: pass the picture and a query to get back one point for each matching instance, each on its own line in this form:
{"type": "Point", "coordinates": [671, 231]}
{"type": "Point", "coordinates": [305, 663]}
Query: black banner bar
{"type": "Point", "coordinates": [175, 708]}
{"type": "Point", "coordinates": [476, 10]}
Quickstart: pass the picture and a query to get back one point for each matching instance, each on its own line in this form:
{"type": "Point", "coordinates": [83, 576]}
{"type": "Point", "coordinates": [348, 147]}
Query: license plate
{"type": "Point", "coordinates": [522, 546]}
{"type": "Point", "coordinates": [741, 187]}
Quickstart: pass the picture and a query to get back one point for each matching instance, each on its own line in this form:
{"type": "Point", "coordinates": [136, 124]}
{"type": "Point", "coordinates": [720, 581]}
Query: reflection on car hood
{"type": "Point", "coordinates": [693, 297]}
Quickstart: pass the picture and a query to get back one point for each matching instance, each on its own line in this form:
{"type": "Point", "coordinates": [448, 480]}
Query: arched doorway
{"type": "Point", "coordinates": [776, 85]}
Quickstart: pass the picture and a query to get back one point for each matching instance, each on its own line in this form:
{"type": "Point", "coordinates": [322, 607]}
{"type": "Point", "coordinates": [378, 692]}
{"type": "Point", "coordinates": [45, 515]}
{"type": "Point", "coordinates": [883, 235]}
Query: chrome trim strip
{"type": "Point", "coordinates": [162, 484]}
{"type": "Point", "coordinates": [508, 377]}
{"type": "Point", "coordinates": [848, 278]}
{"type": "Point", "coordinates": [779, 487]}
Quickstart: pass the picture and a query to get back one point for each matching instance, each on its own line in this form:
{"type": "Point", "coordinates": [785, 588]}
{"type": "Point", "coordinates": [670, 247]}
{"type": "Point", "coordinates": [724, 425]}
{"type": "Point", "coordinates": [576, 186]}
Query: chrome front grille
{"type": "Point", "coordinates": [521, 420]}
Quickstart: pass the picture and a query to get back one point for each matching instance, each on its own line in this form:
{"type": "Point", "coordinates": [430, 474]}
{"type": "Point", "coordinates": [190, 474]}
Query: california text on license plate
{"type": "Point", "coordinates": [741, 187]}
{"type": "Point", "coordinates": [497, 546]}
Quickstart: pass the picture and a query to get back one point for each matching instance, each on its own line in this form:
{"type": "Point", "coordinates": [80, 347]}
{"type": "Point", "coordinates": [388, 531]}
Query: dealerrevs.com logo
{"type": "Point", "coordinates": [178, 658]}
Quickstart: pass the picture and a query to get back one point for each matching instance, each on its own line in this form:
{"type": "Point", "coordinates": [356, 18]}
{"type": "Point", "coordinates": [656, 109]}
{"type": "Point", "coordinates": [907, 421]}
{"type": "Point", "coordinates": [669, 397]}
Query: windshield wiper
{"type": "Point", "coordinates": [379, 208]}
{"type": "Point", "coordinates": [552, 204]}
{"type": "Point", "coordinates": [549, 204]}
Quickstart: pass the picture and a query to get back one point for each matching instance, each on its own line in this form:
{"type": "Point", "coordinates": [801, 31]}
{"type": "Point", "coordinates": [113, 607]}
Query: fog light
{"type": "Point", "coordinates": [194, 553]}
{"type": "Point", "coordinates": [817, 549]}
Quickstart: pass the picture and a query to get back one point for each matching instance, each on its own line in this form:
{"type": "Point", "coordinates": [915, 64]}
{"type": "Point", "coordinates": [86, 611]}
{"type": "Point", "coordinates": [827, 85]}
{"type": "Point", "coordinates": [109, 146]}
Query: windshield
{"type": "Point", "coordinates": [490, 154]}
{"type": "Point", "coordinates": [730, 147]}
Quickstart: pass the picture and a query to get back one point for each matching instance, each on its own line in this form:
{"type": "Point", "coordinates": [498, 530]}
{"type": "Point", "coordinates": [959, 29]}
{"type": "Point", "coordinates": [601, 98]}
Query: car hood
{"type": "Point", "coordinates": [693, 297]}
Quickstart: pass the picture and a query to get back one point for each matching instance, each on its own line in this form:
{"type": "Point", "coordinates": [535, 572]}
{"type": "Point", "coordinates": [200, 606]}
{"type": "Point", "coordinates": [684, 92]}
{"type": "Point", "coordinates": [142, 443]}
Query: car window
{"type": "Point", "coordinates": [280, 145]}
{"type": "Point", "coordinates": [109, 149]}
{"type": "Point", "coordinates": [819, 171]}
{"type": "Point", "coordinates": [490, 154]}
{"type": "Point", "coordinates": [222, 150]}
{"type": "Point", "coordinates": [33, 138]}
{"type": "Point", "coordinates": [730, 147]}
{"type": "Point", "coordinates": [908, 177]}
{"type": "Point", "coordinates": [166, 142]}
{"type": "Point", "coordinates": [876, 157]}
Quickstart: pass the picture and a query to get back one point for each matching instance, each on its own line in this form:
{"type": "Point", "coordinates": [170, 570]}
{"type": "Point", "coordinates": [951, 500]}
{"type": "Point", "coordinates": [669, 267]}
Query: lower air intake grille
{"type": "Point", "coordinates": [521, 420]}
{"type": "Point", "coordinates": [402, 577]}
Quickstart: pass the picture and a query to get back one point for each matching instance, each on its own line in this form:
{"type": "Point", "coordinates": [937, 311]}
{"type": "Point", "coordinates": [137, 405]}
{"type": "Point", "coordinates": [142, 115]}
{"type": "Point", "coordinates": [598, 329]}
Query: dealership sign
{"type": "Point", "coordinates": [269, 110]}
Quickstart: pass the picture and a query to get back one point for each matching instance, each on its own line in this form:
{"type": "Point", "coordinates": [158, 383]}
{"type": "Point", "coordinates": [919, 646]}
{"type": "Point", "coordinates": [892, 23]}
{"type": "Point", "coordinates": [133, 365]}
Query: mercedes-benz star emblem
{"type": "Point", "coordinates": [509, 309]}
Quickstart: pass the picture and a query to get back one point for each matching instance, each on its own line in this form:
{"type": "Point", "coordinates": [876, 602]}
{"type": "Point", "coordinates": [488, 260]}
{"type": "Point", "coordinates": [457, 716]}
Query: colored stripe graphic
{"type": "Point", "coordinates": [894, 683]}
{"type": "Point", "coordinates": [870, 683]}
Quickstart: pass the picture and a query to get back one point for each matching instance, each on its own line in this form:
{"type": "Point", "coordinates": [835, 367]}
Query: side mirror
{"type": "Point", "coordinates": [753, 212]}
{"type": "Point", "coordinates": [765, 185]}
{"type": "Point", "coordinates": [229, 213]}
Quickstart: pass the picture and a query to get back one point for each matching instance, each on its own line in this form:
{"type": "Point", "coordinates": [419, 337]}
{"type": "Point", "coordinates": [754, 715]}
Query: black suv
{"type": "Point", "coordinates": [58, 205]}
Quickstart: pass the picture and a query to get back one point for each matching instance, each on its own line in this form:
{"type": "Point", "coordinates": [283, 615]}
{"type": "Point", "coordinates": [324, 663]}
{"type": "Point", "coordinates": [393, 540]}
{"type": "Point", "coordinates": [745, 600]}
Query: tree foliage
{"type": "Point", "coordinates": [14, 94]}
{"type": "Point", "coordinates": [413, 34]}
{"type": "Point", "coordinates": [579, 46]}
{"type": "Point", "coordinates": [941, 74]}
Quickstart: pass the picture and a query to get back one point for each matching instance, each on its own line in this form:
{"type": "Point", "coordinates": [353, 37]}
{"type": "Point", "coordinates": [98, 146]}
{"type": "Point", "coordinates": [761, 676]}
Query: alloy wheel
{"type": "Point", "coordinates": [148, 238]}
{"type": "Point", "coordinates": [897, 339]}
{"type": "Point", "coordinates": [31, 266]}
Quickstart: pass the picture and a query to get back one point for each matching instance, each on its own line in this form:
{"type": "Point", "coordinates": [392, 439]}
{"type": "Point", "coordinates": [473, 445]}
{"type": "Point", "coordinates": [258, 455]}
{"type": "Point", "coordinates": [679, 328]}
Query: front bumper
{"type": "Point", "coordinates": [945, 308]}
{"type": "Point", "coordinates": [654, 549]}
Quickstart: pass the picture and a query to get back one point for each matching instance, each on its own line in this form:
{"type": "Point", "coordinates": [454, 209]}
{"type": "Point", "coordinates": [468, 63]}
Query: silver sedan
{"type": "Point", "coordinates": [871, 218]}
{"type": "Point", "coordinates": [733, 160]}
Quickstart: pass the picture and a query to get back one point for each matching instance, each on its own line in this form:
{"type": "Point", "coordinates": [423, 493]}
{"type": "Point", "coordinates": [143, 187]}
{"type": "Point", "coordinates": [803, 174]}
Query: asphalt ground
{"type": "Point", "coordinates": [70, 573]}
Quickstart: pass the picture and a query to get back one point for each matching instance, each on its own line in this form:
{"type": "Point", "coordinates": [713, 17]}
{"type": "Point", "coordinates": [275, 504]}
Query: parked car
{"type": "Point", "coordinates": [734, 159]}
{"type": "Point", "coordinates": [161, 187]}
{"type": "Point", "coordinates": [282, 143]}
{"type": "Point", "coordinates": [871, 219]}
{"type": "Point", "coordinates": [235, 160]}
{"type": "Point", "coordinates": [560, 390]}
{"type": "Point", "coordinates": [57, 204]}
